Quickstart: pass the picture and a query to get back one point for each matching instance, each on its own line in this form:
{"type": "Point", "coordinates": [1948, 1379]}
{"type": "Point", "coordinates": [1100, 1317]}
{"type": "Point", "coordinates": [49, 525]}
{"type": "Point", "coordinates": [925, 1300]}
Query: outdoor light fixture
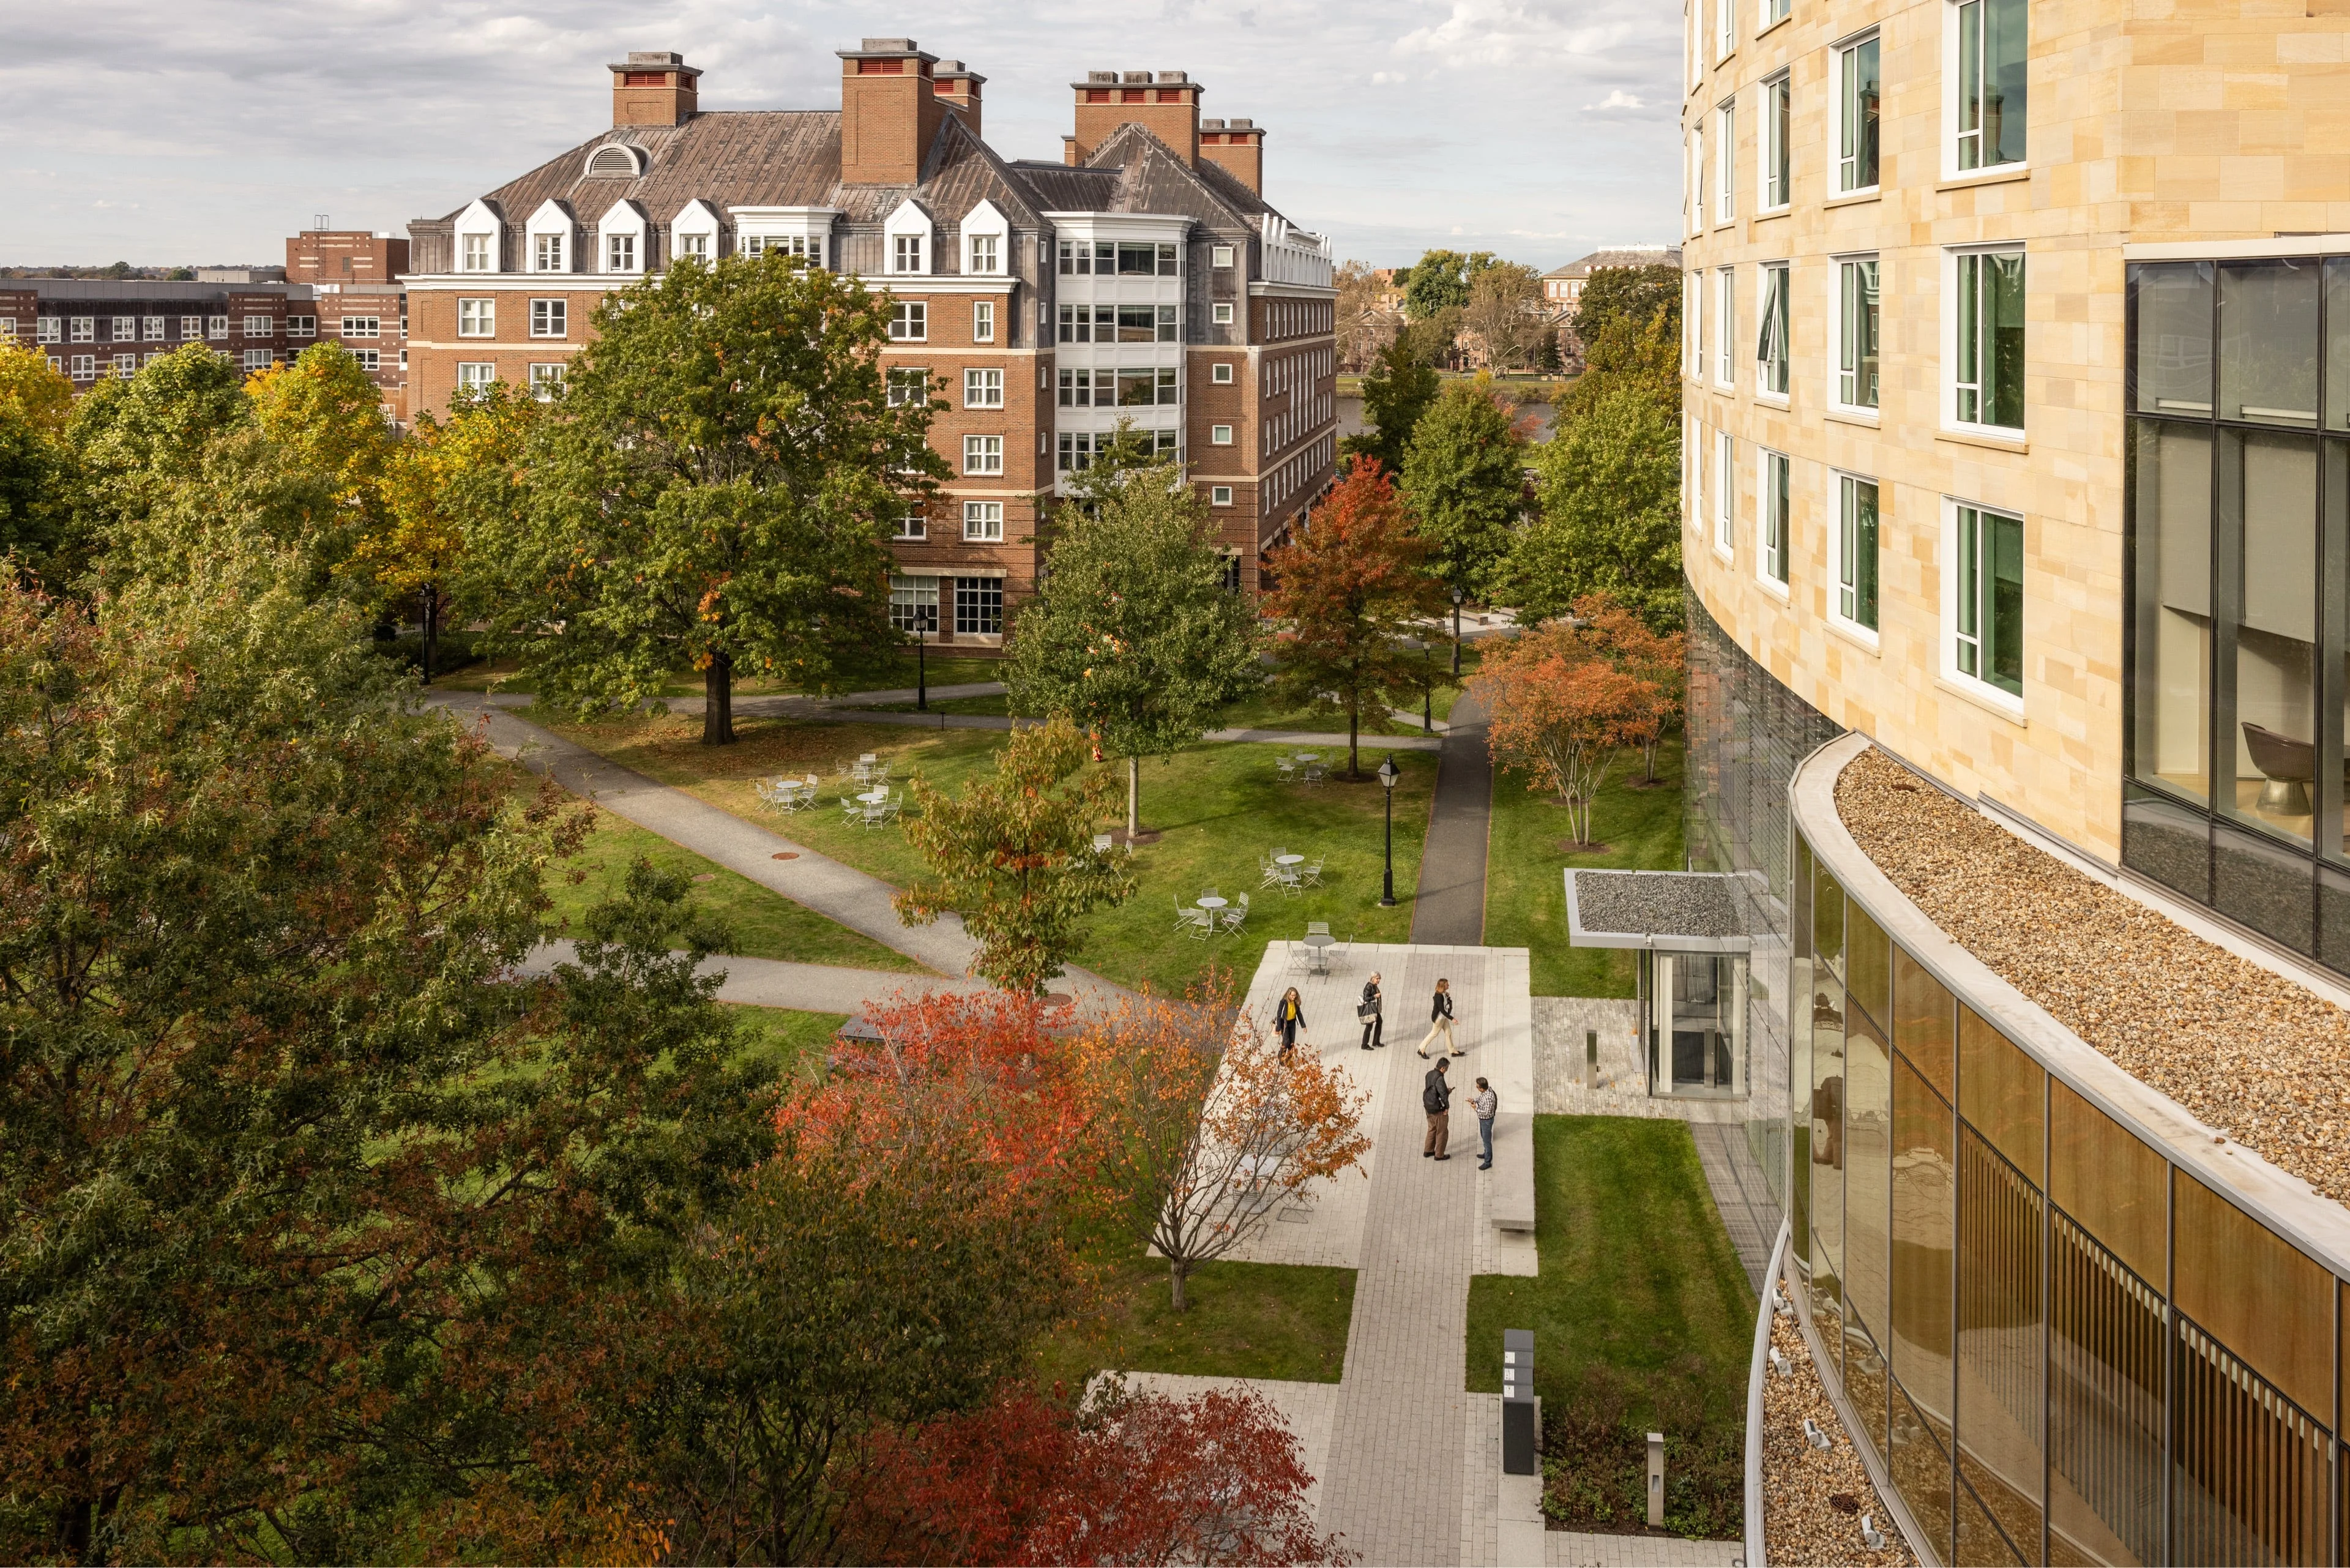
{"type": "Point", "coordinates": [1457, 596]}
{"type": "Point", "coordinates": [1388, 773]}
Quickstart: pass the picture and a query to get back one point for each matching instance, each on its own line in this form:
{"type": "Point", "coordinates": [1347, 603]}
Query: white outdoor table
{"type": "Point", "coordinates": [1289, 860]}
{"type": "Point", "coordinates": [1321, 942]}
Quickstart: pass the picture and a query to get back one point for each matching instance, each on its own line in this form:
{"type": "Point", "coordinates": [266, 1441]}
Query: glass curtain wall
{"type": "Point", "coordinates": [2064, 1348]}
{"type": "Point", "coordinates": [2239, 664]}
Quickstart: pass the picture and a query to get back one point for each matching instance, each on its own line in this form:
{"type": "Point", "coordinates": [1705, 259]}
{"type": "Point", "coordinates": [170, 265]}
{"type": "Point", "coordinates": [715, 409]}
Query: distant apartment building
{"type": "Point", "coordinates": [354, 274]}
{"type": "Point", "coordinates": [1141, 275]}
{"type": "Point", "coordinates": [1563, 286]}
{"type": "Point", "coordinates": [91, 328]}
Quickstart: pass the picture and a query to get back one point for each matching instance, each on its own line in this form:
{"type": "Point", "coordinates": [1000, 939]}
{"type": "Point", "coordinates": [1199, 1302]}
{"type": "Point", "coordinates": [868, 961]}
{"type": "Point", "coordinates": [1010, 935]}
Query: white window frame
{"type": "Point", "coordinates": [254, 359]}
{"type": "Point", "coordinates": [1774, 492]}
{"type": "Point", "coordinates": [912, 522]}
{"type": "Point", "coordinates": [477, 317]}
{"type": "Point", "coordinates": [983, 389]}
{"type": "Point", "coordinates": [308, 325]}
{"type": "Point", "coordinates": [1220, 435]}
{"type": "Point", "coordinates": [1219, 496]}
{"type": "Point", "coordinates": [258, 326]}
{"type": "Point", "coordinates": [1221, 313]}
{"type": "Point", "coordinates": [47, 328]}
{"type": "Point", "coordinates": [215, 327]}
{"type": "Point", "coordinates": [906, 241]}
{"type": "Point", "coordinates": [1725, 327]}
{"type": "Point", "coordinates": [1220, 374]}
{"type": "Point", "coordinates": [910, 322]}
{"type": "Point", "coordinates": [622, 253]}
{"type": "Point", "coordinates": [84, 329]}
{"type": "Point", "coordinates": [905, 384]}
{"type": "Point", "coordinates": [550, 318]}
{"type": "Point", "coordinates": [982, 522]}
{"type": "Point", "coordinates": [1953, 40]}
{"type": "Point", "coordinates": [983, 254]}
{"type": "Point", "coordinates": [1771, 12]}
{"type": "Point", "coordinates": [1954, 273]}
{"type": "Point", "coordinates": [84, 366]}
{"type": "Point", "coordinates": [1725, 494]}
{"type": "Point", "coordinates": [914, 601]}
{"type": "Point", "coordinates": [1839, 548]}
{"type": "Point", "coordinates": [1725, 158]}
{"type": "Point", "coordinates": [1769, 368]}
{"type": "Point", "coordinates": [983, 321]}
{"type": "Point", "coordinates": [125, 328]}
{"type": "Point", "coordinates": [150, 328]}
{"type": "Point", "coordinates": [986, 241]}
{"type": "Point", "coordinates": [982, 454]}
{"type": "Point", "coordinates": [1953, 584]}
{"type": "Point", "coordinates": [1693, 324]}
{"type": "Point", "coordinates": [550, 250]}
{"type": "Point", "coordinates": [1837, 54]}
{"type": "Point", "coordinates": [1697, 179]}
{"type": "Point", "coordinates": [545, 379]}
{"type": "Point", "coordinates": [1770, 141]}
{"type": "Point", "coordinates": [1219, 255]}
{"type": "Point", "coordinates": [1837, 324]}
{"type": "Point", "coordinates": [1725, 29]}
{"type": "Point", "coordinates": [474, 374]}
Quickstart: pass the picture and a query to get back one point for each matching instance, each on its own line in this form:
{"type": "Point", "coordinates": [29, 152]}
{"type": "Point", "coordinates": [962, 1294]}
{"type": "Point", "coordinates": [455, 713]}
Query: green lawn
{"type": "Point", "coordinates": [997, 706]}
{"type": "Point", "coordinates": [1641, 1315]}
{"type": "Point", "coordinates": [765, 924]}
{"type": "Point", "coordinates": [1245, 1319]}
{"type": "Point", "coordinates": [796, 1042]}
{"type": "Point", "coordinates": [1526, 895]}
{"type": "Point", "coordinates": [1216, 807]}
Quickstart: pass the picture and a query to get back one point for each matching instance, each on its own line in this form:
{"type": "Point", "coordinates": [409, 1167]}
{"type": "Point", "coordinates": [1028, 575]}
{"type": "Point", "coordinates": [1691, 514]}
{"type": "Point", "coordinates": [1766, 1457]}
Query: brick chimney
{"type": "Point", "coordinates": [653, 87]}
{"type": "Point", "coordinates": [890, 112]}
{"type": "Point", "coordinates": [1167, 107]}
{"type": "Point", "coordinates": [958, 89]}
{"type": "Point", "coordinates": [1237, 147]}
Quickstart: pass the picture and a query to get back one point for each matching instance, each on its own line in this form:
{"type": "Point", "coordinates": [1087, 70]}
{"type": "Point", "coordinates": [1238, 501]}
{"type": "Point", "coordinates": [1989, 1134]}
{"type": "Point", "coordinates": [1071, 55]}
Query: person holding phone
{"type": "Point", "coordinates": [1369, 1011]}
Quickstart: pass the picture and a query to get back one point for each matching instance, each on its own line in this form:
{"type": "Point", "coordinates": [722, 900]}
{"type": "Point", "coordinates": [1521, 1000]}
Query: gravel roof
{"type": "Point", "coordinates": [1801, 1524]}
{"type": "Point", "coordinates": [1660, 902]}
{"type": "Point", "coordinates": [2243, 1050]}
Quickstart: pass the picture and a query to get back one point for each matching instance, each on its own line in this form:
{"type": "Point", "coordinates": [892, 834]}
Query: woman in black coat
{"type": "Point", "coordinates": [1289, 1019]}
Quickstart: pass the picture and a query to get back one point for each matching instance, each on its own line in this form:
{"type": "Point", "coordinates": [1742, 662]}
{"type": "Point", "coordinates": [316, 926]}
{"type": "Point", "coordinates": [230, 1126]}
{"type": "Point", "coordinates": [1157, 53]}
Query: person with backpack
{"type": "Point", "coordinates": [1436, 1099]}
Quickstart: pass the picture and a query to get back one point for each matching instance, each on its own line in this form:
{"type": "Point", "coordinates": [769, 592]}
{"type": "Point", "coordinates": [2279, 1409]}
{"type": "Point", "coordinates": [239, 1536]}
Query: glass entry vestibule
{"type": "Point", "coordinates": [1692, 961]}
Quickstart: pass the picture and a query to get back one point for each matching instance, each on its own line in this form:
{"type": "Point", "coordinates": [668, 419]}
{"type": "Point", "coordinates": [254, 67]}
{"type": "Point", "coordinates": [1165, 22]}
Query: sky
{"type": "Point", "coordinates": [195, 131]}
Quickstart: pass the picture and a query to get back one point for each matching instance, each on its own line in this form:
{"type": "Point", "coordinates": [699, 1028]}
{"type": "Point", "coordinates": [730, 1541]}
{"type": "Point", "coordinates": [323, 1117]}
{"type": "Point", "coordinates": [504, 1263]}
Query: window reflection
{"type": "Point", "coordinates": [2170, 507]}
{"type": "Point", "coordinates": [2268, 497]}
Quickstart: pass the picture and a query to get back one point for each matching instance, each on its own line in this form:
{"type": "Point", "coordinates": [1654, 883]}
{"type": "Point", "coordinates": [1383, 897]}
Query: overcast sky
{"type": "Point", "coordinates": [179, 131]}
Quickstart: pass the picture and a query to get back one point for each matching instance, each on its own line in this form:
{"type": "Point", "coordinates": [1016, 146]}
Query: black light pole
{"type": "Point", "coordinates": [1457, 596]}
{"type": "Point", "coordinates": [431, 617]}
{"type": "Point", "coordinates": [921, 668]}
{"type": "Point", "coordinates": [1388, 773]}
{"type": "Point", "coordinates": [1428, 692]}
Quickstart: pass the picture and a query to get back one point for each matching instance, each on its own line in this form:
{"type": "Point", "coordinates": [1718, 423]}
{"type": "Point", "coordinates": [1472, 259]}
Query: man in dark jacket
{"type": "Point", "coordinates": [1436, 1099]}
{"type": "Point", "coordinates": [1374, 1024]}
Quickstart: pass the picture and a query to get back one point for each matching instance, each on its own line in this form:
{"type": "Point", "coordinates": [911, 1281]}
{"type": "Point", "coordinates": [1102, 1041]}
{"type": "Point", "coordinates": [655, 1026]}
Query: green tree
{"type": "Point", "coordinates": [33, 389]}
{"type": "Point", "coordinates": [327, 413]}
{"type": "Point", "coordinates": [1396, 391]}
{"type": "Point", "coordinates": [1610, 517]}
{"type": "Point", "coordinates": [33, 514]}
{"type": "Point", "coordinates": [1441, 278]}
{"type": "Point", "coordinates": [1132, 634]}
{"type": "Point", "coordinates": [1464, 476]}
{"type": "Point", "coordinates": [1504, 310]}
{"type": "Point", "coordinates": [1014, 856]}
{"type": "Point", "coordinates": [1632, 294]}
{"type": "Point", "coordinates": [712, 489]}
{"type": "Point", "coordinates": [1348, 589]}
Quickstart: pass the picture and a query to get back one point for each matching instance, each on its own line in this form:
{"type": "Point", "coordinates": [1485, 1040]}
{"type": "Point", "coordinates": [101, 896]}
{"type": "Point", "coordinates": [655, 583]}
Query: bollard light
{"type": "Point", "coordinates": [1518, 1402]}
{"type": "Point", "coordinates": [1656, 1480]}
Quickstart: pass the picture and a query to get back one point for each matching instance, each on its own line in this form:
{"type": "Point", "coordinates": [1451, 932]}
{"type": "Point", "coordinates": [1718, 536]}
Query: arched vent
{"type": "Point", "coordinates": [618, 160]}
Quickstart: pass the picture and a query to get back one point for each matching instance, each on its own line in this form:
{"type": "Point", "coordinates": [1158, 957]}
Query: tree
{"type": "Point", "coordinates": [327, 413]}
{"type": "Point", "coordinates": [1133, 634]}
{"type": "Point", "coordinates": [1441, 278]}
{"type": "Point", "coordinates": [1610, 513]}
{"type": "Point", "coordinates": [1364, 324]}
{"type": "Point", "coordinates": [1396, 391]}
{"type": "Point", "coordinates": [33, 389]}
{"type": "Point", "coordinates": [712, 489]}
{"type": "Point", "coordinates": [1632, 294]}
{"type": "Point", "coordinates": [1504, 310]}
{"type": "Point", "coordinates": [1658, 661]}
{"type": "Point", "coordinates": [1566, 699]}
{"type": "Point", "coordinates": [1464, 476]}
{"type": "Point", "coordinates": [1203, 1130]}
{"type": "Point", "coordinates": [1015, 856]}
{"type": "Point", "coordinates": [1348, 587]}
{"type": "Point", "coordinates": [32, 513]}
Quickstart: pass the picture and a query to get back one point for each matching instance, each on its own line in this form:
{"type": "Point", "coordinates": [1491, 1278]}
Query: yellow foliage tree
{"type": "Point", "coordinates": [33, 389]}
{"type": "Point", "coordinates": [328, 412]}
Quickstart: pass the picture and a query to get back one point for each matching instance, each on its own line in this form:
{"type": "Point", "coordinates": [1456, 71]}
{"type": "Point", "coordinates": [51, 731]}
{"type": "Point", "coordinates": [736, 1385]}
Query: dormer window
{"type": "Point", "coordinates": [474, 252]}
{"type": "Point", "coordinates": [607, 162]}
{"type": "Point", "coordinates": [548, 253]}
{"type": "Point", "coordinates": [905, 253]}
{"type": "Point", "coordinates": [620, 253]}
{"type": "Point", "coordinates": [984, 255]}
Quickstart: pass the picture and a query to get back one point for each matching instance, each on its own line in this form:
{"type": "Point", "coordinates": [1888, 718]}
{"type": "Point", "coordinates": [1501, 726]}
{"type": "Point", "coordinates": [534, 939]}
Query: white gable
{"type": "Point", "coordinates": [908, 220]}
{"type": "Point", "coordinates": [986, 220]}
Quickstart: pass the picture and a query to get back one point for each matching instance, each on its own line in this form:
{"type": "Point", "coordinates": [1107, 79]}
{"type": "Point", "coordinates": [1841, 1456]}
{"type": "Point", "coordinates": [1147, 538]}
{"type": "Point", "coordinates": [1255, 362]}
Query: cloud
{"type": "Point", "coordinates": [1618, 99]}
{"type": "Point", "coordinates": [1383, 79]}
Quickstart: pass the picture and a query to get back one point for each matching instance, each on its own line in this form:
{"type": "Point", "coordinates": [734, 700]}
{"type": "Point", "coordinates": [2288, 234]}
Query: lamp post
{"type": "Point", "coordinates": [1427, 691]}
{"type": "Point", "coordinates": [921, 669]}
{"type": "Point", "coordinates": [1457, 596]}
{"type": "Point", "coordinates": [1388, 773]}
{"type": "Point", "coordinates": [432, 619]}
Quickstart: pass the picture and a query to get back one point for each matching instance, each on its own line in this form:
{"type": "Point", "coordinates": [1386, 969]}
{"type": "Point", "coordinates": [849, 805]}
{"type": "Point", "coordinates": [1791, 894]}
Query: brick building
{"type": "Point", "coordinates": [354, 275]}
{"type": "Point", "coordinates": [94, 327]}
{"type": "Point", "coordinates": [1141, 274]}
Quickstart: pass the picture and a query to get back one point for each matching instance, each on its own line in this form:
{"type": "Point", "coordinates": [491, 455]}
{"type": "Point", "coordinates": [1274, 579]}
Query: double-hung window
{"type": "Point", "coordinates": [982, 454]}
{"type": "Point", "coordinates": [545, 380]}
{"type": "Point", "coordinates": [1771, 337]}
{"type": "Point", "coordinates": [477, 318]}
{"type": "Point", "coordinates": [1693, 322]}
{"type": "Point", "coordinates": [905, 253]}
{"type": "Point", "coordinates": [1772, 143]}
{"type": "Point", "coordinates": [983, 321]}
{"type": "Point", "coordinates": [546, 253]}
{"type": "Point", "coordinates": [473, 375]}
{"type": "Point", "coordinates": [1696, 180]}
{"type": "Point", "coordinates": [1855, 100]}
{"type": "Point", "coordinates": [1725, 334]}
{"type": "Point", "coordinates": [548, 318]}
{"type": "Point", "coordinates": [1725, 29]}
{"type": "Point", "coordinates": [1771, 518]}
{"type": "Point", "coordinates": [981, 253]}
{"type": "Point", "coordinates": [913, 523]}
{"type": "Point", "coordinates": [1725, 156]}
{"type": "Point", "coordinates": [1986, 615]}
{"type": "Point", "coordinates": [983, 389]}
{"type": "Point", "coordinates": [909, 321]}
{"type": "Point", "coordinates": [1857, 318]}
{"type": "Point", "coordinates": [1986, 119]}
{"type": "Point", "coordinates": [982, 522]}
{"type": "Point", "coordinates": [908, 384]}
{"type": "Point", "coordinates": [691, 246]}
{"type": "Point", "coordinates": [473, 253]}
{"type": "Point", "coordinates": [1987, 373]}
{"type": "Point", "coordinates": [1725, 491]}
{"type": "Point", "coordinates": [620, 253]}
{"type": "Point", "coordinates": [1856, 552]}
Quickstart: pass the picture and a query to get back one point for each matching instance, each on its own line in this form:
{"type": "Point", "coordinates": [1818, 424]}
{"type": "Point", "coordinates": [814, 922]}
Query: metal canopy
{"type": "Point", "coordinates": [1668, 911]}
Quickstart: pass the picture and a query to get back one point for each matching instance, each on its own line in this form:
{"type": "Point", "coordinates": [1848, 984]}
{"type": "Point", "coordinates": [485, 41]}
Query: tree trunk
{"type": "Point", "coordinates": [1175, 1271]}
{"type": "Point", "coordinates": [1354, 727]}
{"type": "Point", "coordinates": [1649, 760]}
{"type": "Point", "coordinates": [1133, 799]}
{"type": "Point", "coordinates": [718, 701]}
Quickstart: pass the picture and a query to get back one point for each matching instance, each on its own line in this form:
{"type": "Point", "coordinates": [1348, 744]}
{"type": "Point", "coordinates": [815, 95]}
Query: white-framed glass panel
{"type": "Point", "coordinates": [1855, 324]}
{"type": "Point", "coordinates": [983, 252]}
{"type": "Point", "coordinates": [1772, 144]}
{"type": "Point", "coordinates": [1219, 255]}
{"type": "Point", "coordinates": [1725, 29]}
{"type": "Point", "coordinates": [1693, 324]}
{"type": "Point", "coordinates": [909, 321]}
{"type": "Point", "coordinates": [691, 245]}
{"type": "Point", "coordinates": [1725, 160]}
{"type": "Point", "coordinates": [1222, 375]}
{"type": "Point", "coordinates": [1989, 42]}
{"type": "Point", "coordinates": [547, 252]}
{"type": "Point", "coordinates": [254, 326]}
{"type": "Point", "coordinates": [983, 389]}
{"type": "Point", "coordinates": [1704, 328]}
{"type": "Point", "coordinates": [191, 328]}
{"type": "Point", "coordinates": [1771, 489]}
{"type": "Point", "coordinates": [914, 603]}
{"type": "Point", "coordinates": [1221, 313]}
{"type": "Point", "coordinates": [1776, 11]}
{"type": "Point", "coordinates": [1771, 332]}
{"type": "Point", "coordinates": [907, 384]}
{"type": "Point", "coordinates": [979, 606]}
{"type": "Point", "coordinates": [84, 329]}
{"type": "Point", "coordinates": [905, 253]}
{"type": "Point", "coordinates": [473, 375]}
{"type": "Point", "coordinates": [1987, 347]}
{"type": "Point", "coordinates": [1985, 612]}
{"type": "Point", "coordinates": [1696, 180]}
{"type": "Point", "coordinates": [477, 318]}
{"type": "Point", "coordinates": [1725, 327]}
{"type": "Point", "coordinates": [983, 321]}
{"type": "Point", "coordinates": [982, 522]}
{"type": "Point", "coordinates": [982, 454]}
{"type": "Point", "coordinates": [1725, 491]}
{"type": "Point", "coordinates": [473, 253]}
{"type": "Point", "coordinates": [1219, 496]}
{"type": "Point", "coordinates": [1856, 86]}
{"type": "Point", "coordinates": [545, 380]}
{"type": "Point", "coordinates": [254, 359]}
{"type": "Point", "coordinates": [215, 327]}
{"type": "Point", "coordinates": [548, 318]}
{"type": "Point", "coordinates": [913, 523]}
{"type": "Point", "coordinates": [1854, 538]}
{"type": "Point", "coordinates": [1220, 435]}
{"type": "Point", "coordinates": [620, 253]}
{"type": "Point", "coordinates": [151, 328]}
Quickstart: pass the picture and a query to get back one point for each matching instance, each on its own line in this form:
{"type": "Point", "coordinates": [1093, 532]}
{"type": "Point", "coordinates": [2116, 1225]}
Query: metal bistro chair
{"type": "Point", "coordinates": [1311, 873]}
{"type": "Point", "coordinates": [1300, 957]}
{"type": "Point", "coordinates": [1291, 883]}
{"type": "Point", "coordinates": [1318, 927]}
{"type": "Point", "coordinates": [1236, 918]}
{"type": "Point", "coordinates": [1288, 769]}
{"type": "Point", "coordinates": [1188, 916]}
{"type": "Point", "coordinates": [1316, 772]}
{"type": "Point", "coordinates": [1268, 873]}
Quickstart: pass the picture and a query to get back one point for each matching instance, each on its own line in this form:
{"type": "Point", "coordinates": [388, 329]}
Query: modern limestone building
{"type": "Point", "coordinates": [1140, 276]}
{"type": "Point", "coordinates": [2017, 453]}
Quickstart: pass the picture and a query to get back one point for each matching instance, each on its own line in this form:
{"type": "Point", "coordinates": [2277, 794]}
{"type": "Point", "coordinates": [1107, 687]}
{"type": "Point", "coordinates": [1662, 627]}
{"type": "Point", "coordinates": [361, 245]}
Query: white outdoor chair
{"type": "Point", "coordinates": [1288, 769]}
{"type": "Point", "coordinates": [1268, 874]}
{"type": "Point", "coordinates": [1102, 842]}
{"type": "Point", "coordinates": [1291, 883]}
{"type": "Point", "coordinates": [1318, 927]}
{"type": "Point", "coordinates": [1188, 916]}
{"type": "Point", "coordinates": [1311, 874]}
{"type": "Point", "coordinates": [1300, 957]}
{"type": "Point", "coordinates": [1236, 918]}
{"type": "Point", "coordinates": [1315, 773]}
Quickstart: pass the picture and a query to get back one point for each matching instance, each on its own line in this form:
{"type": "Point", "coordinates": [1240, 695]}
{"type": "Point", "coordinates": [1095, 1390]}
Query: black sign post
{"type": "Point", "coordinates": [1518, 1402]}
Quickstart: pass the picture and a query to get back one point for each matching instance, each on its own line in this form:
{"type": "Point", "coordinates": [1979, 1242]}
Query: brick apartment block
{"type": "Point", "coordinates": [354, 275]}
{"type": "Point", "coordinates": [91, 328]}
{"type": "Point", "coordinates": [1142, 274]}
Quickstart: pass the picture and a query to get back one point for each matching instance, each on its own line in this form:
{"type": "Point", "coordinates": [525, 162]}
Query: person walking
{"type": "Point", "coordinates": [1289, 1019]}
{"type": "Point", "coordinates": [1440, 1019]}
{"type": "Point", "coordinates": [1484, 1102]}
{"type": "Point", "coordinates": [1374, 1025]}
{"type": "Point", "coordinates": [1436, 1099]}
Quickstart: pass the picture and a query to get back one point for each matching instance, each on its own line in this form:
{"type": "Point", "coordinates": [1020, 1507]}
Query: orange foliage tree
{"type": "Point", "coordinates": [1198, 1130]}
{"type": "Point", "coordinates": [1567, 698]}
{"type": "Point", "coordinates": [1348, 587]}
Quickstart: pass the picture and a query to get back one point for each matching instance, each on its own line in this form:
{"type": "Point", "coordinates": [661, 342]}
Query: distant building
{"type": "Point", "coordinates": [1562, 287]}
{"type": "Point", "coordinates": [361, 303]}
{"type": "Point", "coordinates": [94, 327]}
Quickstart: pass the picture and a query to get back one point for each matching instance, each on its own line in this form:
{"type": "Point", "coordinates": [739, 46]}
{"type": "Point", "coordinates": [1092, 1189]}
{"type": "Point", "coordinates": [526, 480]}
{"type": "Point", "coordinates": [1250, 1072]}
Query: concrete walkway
{"type": "Point", "coordinates": [1451, 908]}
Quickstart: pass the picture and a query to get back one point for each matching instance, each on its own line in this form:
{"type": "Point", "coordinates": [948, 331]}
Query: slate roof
{"type": "Point", "coordinates": [1619, 256]}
